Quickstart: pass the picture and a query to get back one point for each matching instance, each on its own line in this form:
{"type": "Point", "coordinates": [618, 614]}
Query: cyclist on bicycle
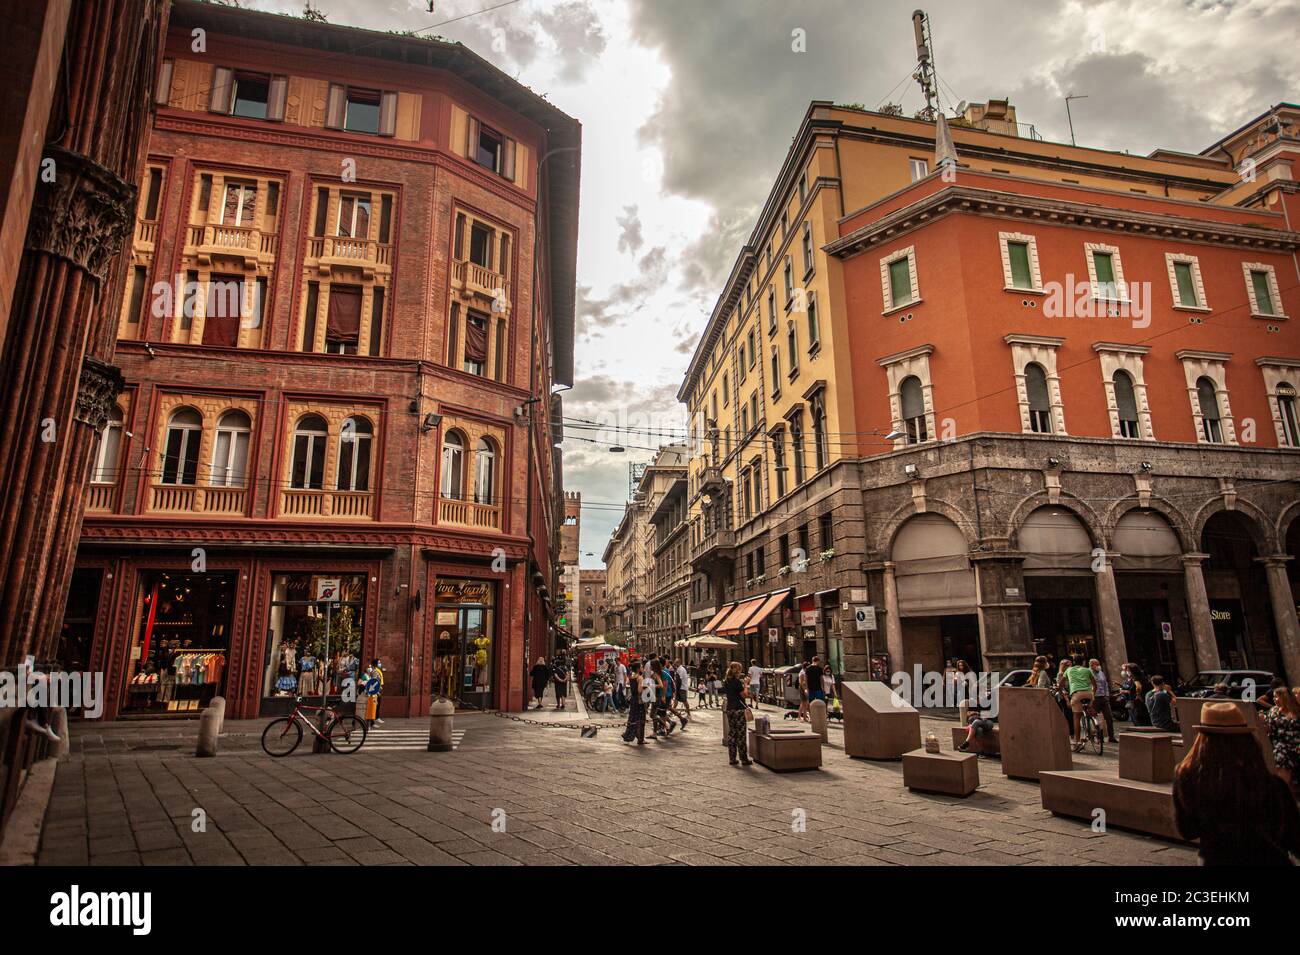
{"type": "Point", "coordinates": [1079, 682]}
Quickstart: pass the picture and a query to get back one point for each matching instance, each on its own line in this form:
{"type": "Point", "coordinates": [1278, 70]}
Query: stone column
{"type": "Point", "coordinates": [1114, 651]}
{"type": "Point", "coordinates": [893, 625]}
{"type": "Point", "coordinates": [56, 381]}
{"type": "Point", "coordinates": [1284, 613]}
{"type": "Point", "coordinates": [1198, 613]}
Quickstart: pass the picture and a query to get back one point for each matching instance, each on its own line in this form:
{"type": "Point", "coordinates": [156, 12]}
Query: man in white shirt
{"type": "Point", "coordinates": [683, 679]}
{"type": "Point", "coordinates": [755, 680]}
{"type": "Point", "coordinates": [620, 684]}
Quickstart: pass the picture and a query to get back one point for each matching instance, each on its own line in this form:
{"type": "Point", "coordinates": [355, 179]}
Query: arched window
{"type": "Point", "coordinates": [821, 448]}
{"type": "Point", "coordinates": [230, 450]}
{"type": "Point", "coordinates": [913, 401]}
{"type": "Point", "coordinates": [1040, 407]}
{"type": "Point", "coordinates": [309, 439]}
{"type": "Point", "coordinates": [355, 436]}
{"type": "Point", "coordinates": [453, 466]}
{"type": "Point", "coordinates": [1207, 397]}
{"type": "Point", "coordinates": [109, 451]}
{"type": "Point", "coordinates": [1287, 411]}
{"type": "Point", "coordinates": [1125, 404]}
{"type": "Point", "coordinates": [485, 468]}
{"type": "Point", "coordinates": [796, 449]}
{"type": "Point", "coordinates": [181, 453]}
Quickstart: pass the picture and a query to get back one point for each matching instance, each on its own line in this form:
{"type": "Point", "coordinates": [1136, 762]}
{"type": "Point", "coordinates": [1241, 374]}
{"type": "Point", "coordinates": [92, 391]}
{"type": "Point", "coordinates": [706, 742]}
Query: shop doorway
{"type": "Point", "coordinates": [181, 643]}
{"type": "Point", "coordinates": [464, 639]}
{"type": "Point", "coordinates": [960, 636]}
{"type": "Point", "coordinates": [77, 636]}
{"type": "Point", "coordinates": [1062, 627]}
{"type": "Point", "coordinates": [1144, 637]}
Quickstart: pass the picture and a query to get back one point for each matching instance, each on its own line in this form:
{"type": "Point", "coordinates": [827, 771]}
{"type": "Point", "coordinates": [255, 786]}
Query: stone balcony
{"type": "Point", "coordinates": [326, 252]}
{"type": "Point", "coordinates": [483, 517]}
{"type": "Point", "coordinates": [477, 282]}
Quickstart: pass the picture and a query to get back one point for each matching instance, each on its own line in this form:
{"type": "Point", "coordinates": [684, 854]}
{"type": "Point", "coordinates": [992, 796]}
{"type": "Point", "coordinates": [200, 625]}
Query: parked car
{"type": "Point", "coordinates": [1237, 681]}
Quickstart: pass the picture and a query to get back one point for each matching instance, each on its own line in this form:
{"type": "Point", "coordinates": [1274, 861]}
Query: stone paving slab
{"type": "Point", "coordinates": [518, 793]}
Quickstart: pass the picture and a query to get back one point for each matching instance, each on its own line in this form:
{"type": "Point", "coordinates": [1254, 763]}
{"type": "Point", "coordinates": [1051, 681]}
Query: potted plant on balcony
{"type": "Point", "coordinates": [827, 554]}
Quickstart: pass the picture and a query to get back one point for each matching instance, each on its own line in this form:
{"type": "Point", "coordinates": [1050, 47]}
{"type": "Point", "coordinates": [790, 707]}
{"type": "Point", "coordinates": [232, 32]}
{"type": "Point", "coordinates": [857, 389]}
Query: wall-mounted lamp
{"type": "Point", "coordinates": [1146, 465]}
{"type": "Point", "coordinates": [431, 421]}
{"type": "Point", "coordinates": [1053, 462]}
{"type": "Point", "coordinates": [894, 436]}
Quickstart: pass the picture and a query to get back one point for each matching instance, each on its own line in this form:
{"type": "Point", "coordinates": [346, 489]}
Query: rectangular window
{"type": "Point", "coordinates": [322, 211]}
{"type": "Point", "coordinates": [814, 329]}
{"type": "Point", "coordinates": [343, 322]}
{"type": "Point", "coordinates": [900, 281]}
{"type": "Point", "coordinates": [251, 95]}
{"type": "Point", "coordinates": [488, 149]}
{"type": "Point", "coordinates": [480, 245]}
{"type": "Point", "coordinates": [1186, 284]}
{"type": "Point", "coordinates": [240, 207]}
{"type": "Point", "coordinates": [1263, 293]}
{"type": "Point", "coordinates": [138, 281]}
{"type": "Point", "coordinates": [807, 247]}
{"type": "Point", "coordinates": [205, 192]}
{"type": "Point", "coordinates": [309, 317]}
{"type": "Point", "coordinates": [476, 341]}
{"type": "Point", "coordinates": [919, 168]}
{"type": "Point", "coordinates": [1021, 274]}
{"type": "Point", "coordinates": [827, 524]}
{"type": "Point", "coordinates": [1103, 264]}
{"type": "Point", "coordinates": [377, 321]}
{"type": "Point", "coordinates": [385, 218]}
{"type": "Point", "coordinates": [151, 197]}
{"type": "Point", "coordinates": [361, 114]}
{"type": "Point", "coordinates": [354, 217]}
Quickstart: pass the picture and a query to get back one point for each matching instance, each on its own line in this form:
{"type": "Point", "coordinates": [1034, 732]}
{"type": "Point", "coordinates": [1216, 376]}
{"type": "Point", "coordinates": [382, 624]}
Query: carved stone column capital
{"type": "Point", "coordinates": [97, 390]}
{"type": "Point", "coordinates": [84, 215]}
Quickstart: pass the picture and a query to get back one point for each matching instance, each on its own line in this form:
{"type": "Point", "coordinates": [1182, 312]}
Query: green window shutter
{"type": "Point", "coordinates": [1104, 267]}
{"type": "Point", "coordinates": [1263, 294]}
{"type": "Point", "coordinates": [1186, 287]}
{"type": "Point", "coordinates": [1018, 253]}
{"type": "Point", "coordinates": [900, 281]}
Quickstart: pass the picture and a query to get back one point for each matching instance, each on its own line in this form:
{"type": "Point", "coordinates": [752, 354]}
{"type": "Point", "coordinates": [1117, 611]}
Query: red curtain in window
{"type": "Point", "coordinates": [475, 340]}
{"type": "Point", "coordinates": [344, 322]}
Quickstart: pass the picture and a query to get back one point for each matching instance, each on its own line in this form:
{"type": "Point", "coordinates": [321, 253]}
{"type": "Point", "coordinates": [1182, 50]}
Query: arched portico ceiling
{"type": "Point", "coordinates": [1054, 540]}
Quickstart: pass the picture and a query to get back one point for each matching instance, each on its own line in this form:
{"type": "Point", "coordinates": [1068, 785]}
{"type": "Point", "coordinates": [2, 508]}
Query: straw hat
{"type": "Point", "coordinates": [1222, 718]}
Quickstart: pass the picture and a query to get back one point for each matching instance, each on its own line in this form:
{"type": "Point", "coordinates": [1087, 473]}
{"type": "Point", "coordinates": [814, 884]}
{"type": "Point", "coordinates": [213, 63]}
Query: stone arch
{"type": "Point", "coordinates": [1261, 528]}
{"type": "Point", "coordinates": [1068, 502]}
{"type": "Point", "coordinates": [899, 516]}
{"type": "Point", "coordinates": [1290, 514]}
{"type": "Point", "coordinates": [1177, 520]}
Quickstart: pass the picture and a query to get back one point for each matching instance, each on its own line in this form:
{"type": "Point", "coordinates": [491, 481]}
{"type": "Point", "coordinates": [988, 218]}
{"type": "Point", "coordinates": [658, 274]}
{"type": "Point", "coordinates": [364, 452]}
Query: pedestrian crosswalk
{"type": "Point", "coordinates": [395, 738]}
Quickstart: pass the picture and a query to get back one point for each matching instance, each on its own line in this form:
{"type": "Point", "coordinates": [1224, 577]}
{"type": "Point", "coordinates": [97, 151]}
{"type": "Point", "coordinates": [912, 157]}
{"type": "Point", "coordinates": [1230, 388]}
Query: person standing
{"type": "Point", "coordinates": [1160, 704]}
{"type": "Point", "coordinates": [715, 681]}
{"type": "Point", "coordinates": [560, 677]}
{"type": "Point", "coordinates": [620, 684]}
{"type": "Point", "coordinates": [1137, 686]}
{"type": "Point", "coordinates": [1102, 700]}
{"type": "Point", "coordinates": [378, 667]}
{"type": "Point", "coordinates": [734, 694]}
{"type": "Point", "coordinates": [1283, 721]}
{"type": "Point", "coordinates": [681, 697]}
{"type": "Point", "coordinates": [812, 682]}
{"type": "Point", "coordinates": [755, 680]}
{"type": "Point", "coordinates": [636, 707]}
{"type": "Point", "coordinates": [540, 675]}
{"type": "Point", "coordinates": [801, 682]}
{"type": "Point", "coordinates": [1225, 795]}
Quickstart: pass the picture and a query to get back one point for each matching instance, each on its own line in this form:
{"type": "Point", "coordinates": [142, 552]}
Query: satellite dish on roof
{"type": "Point", "coordinates": [961, 108]}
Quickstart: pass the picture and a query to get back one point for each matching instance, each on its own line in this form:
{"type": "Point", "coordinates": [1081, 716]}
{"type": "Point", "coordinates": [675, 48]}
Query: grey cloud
{"type": "Point", "coordinates": [630, 238]}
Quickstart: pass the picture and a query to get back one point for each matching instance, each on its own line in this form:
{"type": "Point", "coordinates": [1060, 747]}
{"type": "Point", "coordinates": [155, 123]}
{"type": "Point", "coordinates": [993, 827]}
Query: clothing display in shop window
{"type": "Point", "coordinates": [195, 668]}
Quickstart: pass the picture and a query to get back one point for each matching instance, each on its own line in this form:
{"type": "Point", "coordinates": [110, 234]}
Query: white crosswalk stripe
{"type": "Point", "coordinates": [405, 739]}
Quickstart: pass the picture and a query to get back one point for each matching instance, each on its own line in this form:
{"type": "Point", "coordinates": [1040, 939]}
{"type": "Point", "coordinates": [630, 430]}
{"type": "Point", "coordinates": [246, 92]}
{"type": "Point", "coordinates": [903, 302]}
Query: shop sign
{"type": "Point", "coordinates": [773, 635]}
{"type": "Point", "coordinates": [466, 592]}
{"type": "Point", "coordinates": [808, 618]}
{"type": "Point", "coordinates": [1166, 630]}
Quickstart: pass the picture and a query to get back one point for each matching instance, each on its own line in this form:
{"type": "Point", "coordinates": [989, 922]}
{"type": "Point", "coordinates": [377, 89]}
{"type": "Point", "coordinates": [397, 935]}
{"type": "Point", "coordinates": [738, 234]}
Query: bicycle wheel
{"type": "Point", "coordinates": [346, 734]}
{"type": "Point", "coordinates": [1095, 736]}
{"type": "Point", "coordinates": [281, 737]}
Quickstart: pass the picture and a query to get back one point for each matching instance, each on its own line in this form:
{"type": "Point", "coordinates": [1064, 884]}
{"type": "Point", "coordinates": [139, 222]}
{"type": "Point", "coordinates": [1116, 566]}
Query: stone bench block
{"type": "Point", "coordinates": [878, 723]}
{"type": "Point", "coordinates": [989, 744]}
{"type": "Point", "coordinates": [1147, 757]}
{"type": "Point", "coordinates": [954, 774]}
{"type": "Point", "coordinates": [785, 752]}
{"type": "Point", "coordinates": [1033, 733]}
{"type": "Point", "coordinates": [1128, 803]}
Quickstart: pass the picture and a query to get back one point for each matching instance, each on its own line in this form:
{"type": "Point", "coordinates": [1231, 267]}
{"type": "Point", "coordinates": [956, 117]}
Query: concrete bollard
{"type": "Point", "coordinates": [210, 727]}
{"type": "Point", "coordinates": [440, 721]}
{"type": "Point", "coordinates": [817, 713]}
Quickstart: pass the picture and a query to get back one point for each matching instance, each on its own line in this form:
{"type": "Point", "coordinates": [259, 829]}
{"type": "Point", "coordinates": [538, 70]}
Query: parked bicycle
{"type": "Point", "coordinates": [344, 732]}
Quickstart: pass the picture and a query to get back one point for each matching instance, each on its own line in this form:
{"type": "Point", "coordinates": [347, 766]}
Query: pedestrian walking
{"type": "Point", "coordinates": [681, 699]}
{"type": "Point", "coordinates": [1225, 795]}
{"type": "Point", "coordinates": [560, 677]}
{"type": "Point", "coordinates": [636, 706]}
{"type": "Point", "coordinates": [755, 681]}
{"type": "Point", "coordinates": [802, 683]}
{"type": "Point", "coordinates": [715, 681]}
{"type": "Point", "coordinates": [735, 694]}
{"type": "Point", "coordinates": [812, 682]}
{"type": "Point", "coordinates": [540, 676]}
{"type": "Point", "coordinates": [1102, 700]}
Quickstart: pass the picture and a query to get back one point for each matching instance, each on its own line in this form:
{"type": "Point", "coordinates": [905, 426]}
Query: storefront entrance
{"type": "Point", "coordinates": [1144, 637]}
{"type": "Point", "coordinates": [296, 662]}
{"type": "Point", "coordinates": [181, 643]}
{"type": "Point", "coordinates": [464, 638]}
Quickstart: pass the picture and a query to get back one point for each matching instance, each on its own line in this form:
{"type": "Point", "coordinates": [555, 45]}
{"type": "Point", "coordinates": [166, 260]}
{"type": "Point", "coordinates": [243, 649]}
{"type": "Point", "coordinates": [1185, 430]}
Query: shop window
{"type": "Point", "coordinates": [109, 450]}
{"type": "Point", "coordinates": [307, 469]}
{"type": "Point", "coordinates": [355, 438]}
{"type": "Point", "coordinates": [230, 450]}
{"type": "Point", "coordinates": [180, 463]}
{"type": "Point", "coordinates": [485, 459]}
{"type": "Point", "coordinates": [453, 466]}
{"type": "Point", "coordinates": [178, 656]}
{"type": "Point", "coordinates": [464, 641]}
{"type": "Point", "coordinates": [296, 662]}
{"type": "Point", "coordinates": [1040, 408]}
{"type": "Point", "coordinates": [1208, 401]}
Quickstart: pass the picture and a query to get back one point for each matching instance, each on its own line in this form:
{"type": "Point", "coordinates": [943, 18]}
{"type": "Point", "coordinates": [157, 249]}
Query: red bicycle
{"type": "Point", "coordinates": [344, 732]}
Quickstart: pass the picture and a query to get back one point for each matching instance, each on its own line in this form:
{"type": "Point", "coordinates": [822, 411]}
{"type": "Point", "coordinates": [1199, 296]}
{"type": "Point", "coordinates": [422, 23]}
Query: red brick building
{"type": "Point", "coordinates": [349, 296]}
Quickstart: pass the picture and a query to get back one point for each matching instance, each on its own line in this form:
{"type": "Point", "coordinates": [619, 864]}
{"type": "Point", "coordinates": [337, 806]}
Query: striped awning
{"type": "Point", "coordinates": [739, 616]}
{"type": "Point", "coordinates": [717, 617]}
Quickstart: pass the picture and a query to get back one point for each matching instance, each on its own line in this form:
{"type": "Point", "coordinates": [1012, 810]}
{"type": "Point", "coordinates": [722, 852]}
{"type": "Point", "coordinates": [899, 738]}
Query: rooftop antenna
{"type": "Point", "coordinates": [1069, 96]}
{"type": "Point", "coordinates": [924, 75]}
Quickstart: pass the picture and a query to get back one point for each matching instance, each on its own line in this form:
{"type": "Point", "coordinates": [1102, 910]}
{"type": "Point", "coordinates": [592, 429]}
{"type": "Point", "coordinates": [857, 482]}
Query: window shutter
{"type": "Point", "coordinates": [222, 87]}
{"type": "Point", "coordinates": [275, 98]}
{"type": "Point", "coordinates": [162, 93]}
{"type": "Point", "coordinates": [337, 107]}
{"type": "Point", "coordinates": [471, 138]}
{"type": "Point", "coordinates": [508, 160]}
{"type": "Point", "coordinates": [387, 114]}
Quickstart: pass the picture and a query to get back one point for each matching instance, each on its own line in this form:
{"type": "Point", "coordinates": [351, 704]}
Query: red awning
{"type": "Point", "coordinates": [767, 605]}
{"type": "Point", "coordinates": [736, 620]}
{"type": "Point", "coordinates": [713, 621]}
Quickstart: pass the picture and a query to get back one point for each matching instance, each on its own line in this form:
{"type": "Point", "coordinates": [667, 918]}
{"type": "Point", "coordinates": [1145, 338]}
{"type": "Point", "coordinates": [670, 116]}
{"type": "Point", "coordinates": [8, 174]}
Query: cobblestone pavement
{"type": "Point", "coordinates": [128, 794]}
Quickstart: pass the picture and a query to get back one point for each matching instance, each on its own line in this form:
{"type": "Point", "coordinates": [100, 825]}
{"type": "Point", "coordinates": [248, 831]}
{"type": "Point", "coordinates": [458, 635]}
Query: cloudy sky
{"type": "Point", "coordinates": [688, 107]}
